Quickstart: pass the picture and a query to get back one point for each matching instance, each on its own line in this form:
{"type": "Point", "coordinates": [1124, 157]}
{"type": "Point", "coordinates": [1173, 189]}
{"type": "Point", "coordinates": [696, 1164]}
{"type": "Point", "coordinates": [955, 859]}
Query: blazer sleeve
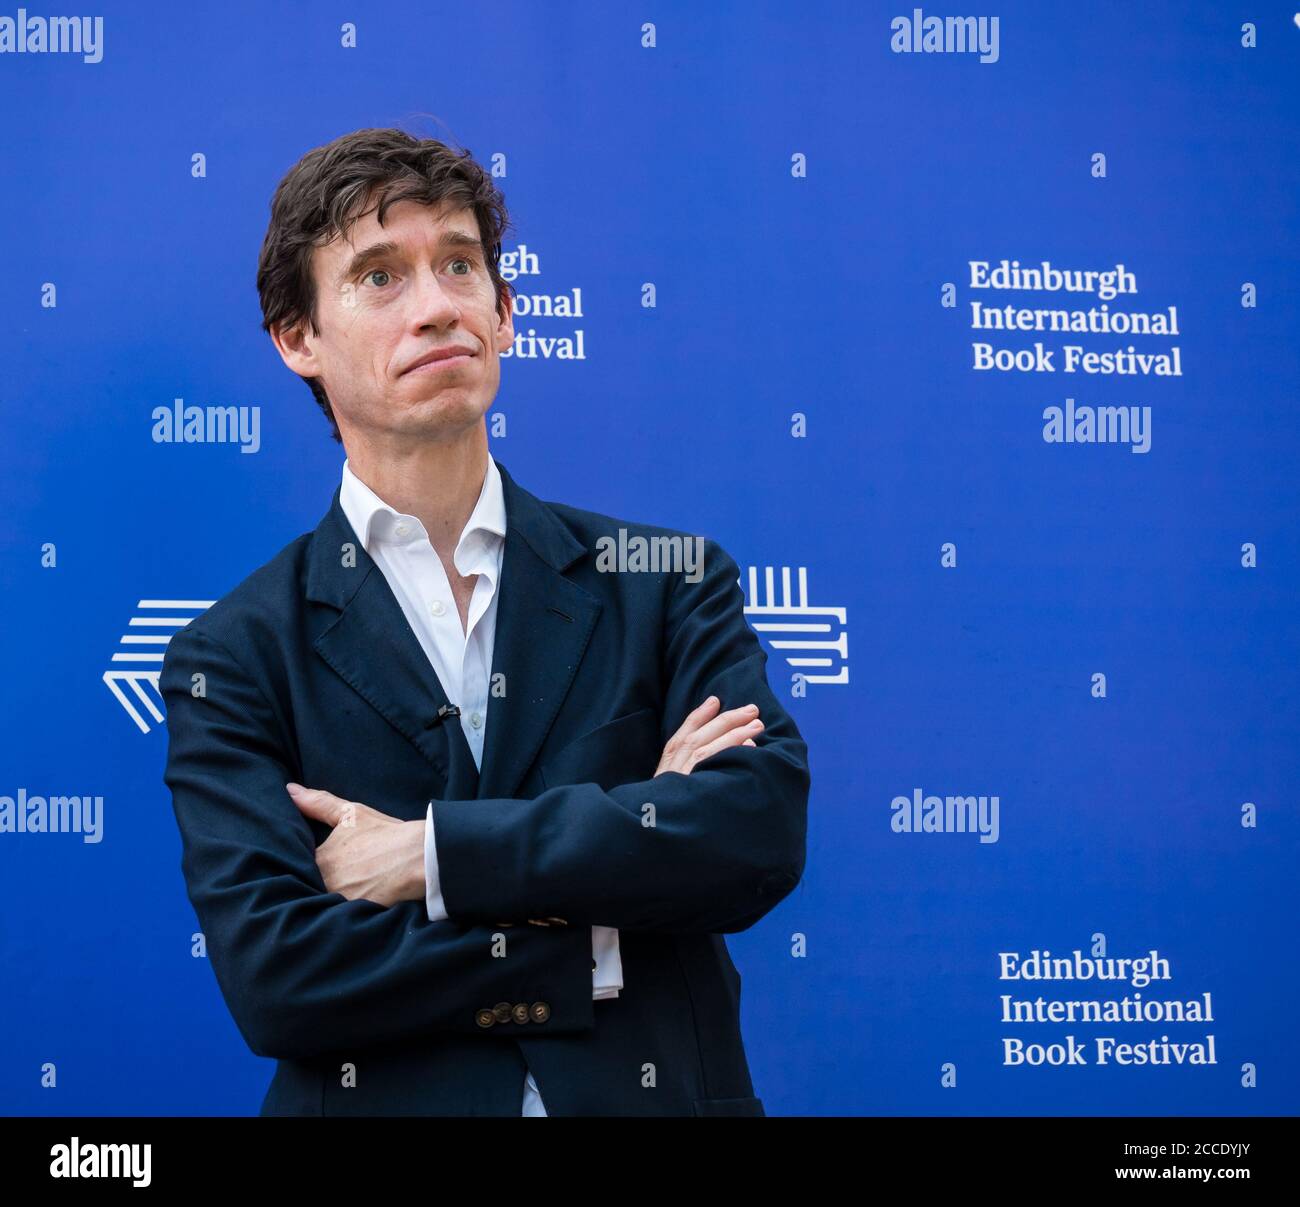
{"type": "Point", "coordinates": [712, 851]}
{"type": "Point", "coordinates": [304, 971]}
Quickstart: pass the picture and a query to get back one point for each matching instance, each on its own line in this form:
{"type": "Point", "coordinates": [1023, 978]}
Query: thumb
{"type": "Point", "coordinates": [317, 803]}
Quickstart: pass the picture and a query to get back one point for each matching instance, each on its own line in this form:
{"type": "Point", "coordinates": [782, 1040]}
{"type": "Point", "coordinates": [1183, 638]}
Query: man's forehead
{"type": "Point", "coordinates": [404, 221]}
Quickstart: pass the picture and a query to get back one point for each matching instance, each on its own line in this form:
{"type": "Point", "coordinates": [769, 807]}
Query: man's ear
{"type": "Point", "coordinates": [294, 347]}
{"type": "Point", "coordinates": [506, 325]}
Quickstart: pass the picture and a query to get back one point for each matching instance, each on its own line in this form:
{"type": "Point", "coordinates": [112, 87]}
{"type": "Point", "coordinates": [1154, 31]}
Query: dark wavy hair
{"type": "Point", "coordinates": [333, 186]}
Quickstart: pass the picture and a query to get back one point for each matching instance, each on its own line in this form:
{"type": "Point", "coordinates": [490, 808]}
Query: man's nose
{"type": "Point", "coordinates": [431, 305]}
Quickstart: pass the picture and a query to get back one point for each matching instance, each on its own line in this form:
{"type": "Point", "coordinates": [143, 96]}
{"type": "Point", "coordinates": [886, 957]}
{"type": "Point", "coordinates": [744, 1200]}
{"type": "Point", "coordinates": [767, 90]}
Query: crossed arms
{"type": "Point", "coordinates": [384, 859]}
{"type": "Point", "coordinates": [306, 971]}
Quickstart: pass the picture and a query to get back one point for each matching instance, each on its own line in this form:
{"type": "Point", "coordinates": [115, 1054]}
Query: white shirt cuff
{"type": "Point", "coordinates": [433, 902]}
{"type": "Point", "coordinates": [607, 978]}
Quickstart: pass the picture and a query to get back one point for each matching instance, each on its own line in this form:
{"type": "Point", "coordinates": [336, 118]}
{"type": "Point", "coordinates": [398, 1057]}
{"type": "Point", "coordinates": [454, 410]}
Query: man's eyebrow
{"type": "Point", "coordinates": [377, 251]}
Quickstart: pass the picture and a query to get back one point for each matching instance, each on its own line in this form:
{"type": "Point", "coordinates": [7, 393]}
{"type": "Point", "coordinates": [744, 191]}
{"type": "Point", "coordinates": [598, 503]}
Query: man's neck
{"type": "Point", "coordinates": [437, 482]}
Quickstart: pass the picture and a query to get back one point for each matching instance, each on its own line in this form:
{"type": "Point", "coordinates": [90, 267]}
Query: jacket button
{"type": "Point", "coordinates": [540, 1012]}
{"type": "Point", "coordinates": [501, 1011]}
{"type": "Point", "coordinates": [520, 1012]}
{"type": "Point", "coordinates": [484, 1017]}
{"type": "Point", "coordinates": [593, 966]}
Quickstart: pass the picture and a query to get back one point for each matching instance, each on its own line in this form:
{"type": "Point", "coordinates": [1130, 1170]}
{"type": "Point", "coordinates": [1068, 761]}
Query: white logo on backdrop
{"type": "Point", "coordinates": [807, 636]}
{"type": "Point", "coordinates": [137, 664]}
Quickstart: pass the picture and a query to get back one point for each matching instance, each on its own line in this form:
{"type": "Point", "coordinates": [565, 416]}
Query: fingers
{"type": "Point", "coordinates": [706, 731]}
{"type": "Point", "coordinates": [740, 736]}
{"type": "Point", "coordinates": [317, 803]}
{"type": "Point", "coordinates": [727, 723]}
{"type": "Point", "coordinates": [696, 718]}
{"type": "Point", "coordinates": [702, 725]}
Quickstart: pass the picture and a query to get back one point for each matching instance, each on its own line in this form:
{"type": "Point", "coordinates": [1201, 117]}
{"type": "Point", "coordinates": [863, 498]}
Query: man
{"type": "Point", "coordinates": [465, 810]}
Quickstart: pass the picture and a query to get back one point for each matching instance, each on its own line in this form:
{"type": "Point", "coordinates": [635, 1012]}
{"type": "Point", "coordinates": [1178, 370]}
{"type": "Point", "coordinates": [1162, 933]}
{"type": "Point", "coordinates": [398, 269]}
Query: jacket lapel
{"type": "Point", "coordinates": [543, 625]}
{"type": "Point", "coordinates": [544, 622]}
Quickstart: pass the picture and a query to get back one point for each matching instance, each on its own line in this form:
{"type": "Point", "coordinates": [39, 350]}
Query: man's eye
{"type": "Point", "coordinates": [377, 272]}
{"type": "Point", "coordinates": [469, 264]}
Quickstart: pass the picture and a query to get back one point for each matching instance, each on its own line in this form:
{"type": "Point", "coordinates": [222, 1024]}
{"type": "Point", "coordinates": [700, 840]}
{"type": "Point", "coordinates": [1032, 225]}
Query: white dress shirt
{"type": "Point", "coordinates": [461, 657]}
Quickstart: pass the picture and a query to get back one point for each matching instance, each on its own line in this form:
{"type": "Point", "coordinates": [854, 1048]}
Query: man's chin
{"type": "Point", "coordinates": [448, 409]}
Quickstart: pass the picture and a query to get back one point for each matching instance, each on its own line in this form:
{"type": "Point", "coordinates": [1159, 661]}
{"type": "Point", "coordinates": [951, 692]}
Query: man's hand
{"type": "Point", "coordinates": [699, 737]}
{"type": "Point", "coordinates": [379, 858]}
{"type": "Point", "coordinates": [370, 855]}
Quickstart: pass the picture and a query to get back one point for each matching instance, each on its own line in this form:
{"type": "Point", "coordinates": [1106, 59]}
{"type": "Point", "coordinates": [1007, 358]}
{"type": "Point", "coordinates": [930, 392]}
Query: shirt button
{"type": "Point", "coordinates": [437, 607]}
{"type": "Point", "coordinates": [402, 529]}
{"type": "Point", "coordinates": [476, 719]}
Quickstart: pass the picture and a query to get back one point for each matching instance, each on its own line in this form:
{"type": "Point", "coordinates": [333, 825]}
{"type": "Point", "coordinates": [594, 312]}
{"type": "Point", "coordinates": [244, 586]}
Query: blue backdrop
{"type": "Point", "coordinates": [1102, 637]}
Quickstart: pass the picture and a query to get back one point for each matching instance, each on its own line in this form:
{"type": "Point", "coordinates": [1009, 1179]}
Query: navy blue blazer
{"type": "Point", "coordinates": [311, 673]}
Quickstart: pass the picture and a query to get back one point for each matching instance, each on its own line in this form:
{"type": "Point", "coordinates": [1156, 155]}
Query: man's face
{"type": "Point", "coordinates": [389, 296]}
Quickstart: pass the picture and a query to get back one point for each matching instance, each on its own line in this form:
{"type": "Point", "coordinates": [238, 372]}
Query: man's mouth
{"type": "Point", "coordinates": [437, 362]}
